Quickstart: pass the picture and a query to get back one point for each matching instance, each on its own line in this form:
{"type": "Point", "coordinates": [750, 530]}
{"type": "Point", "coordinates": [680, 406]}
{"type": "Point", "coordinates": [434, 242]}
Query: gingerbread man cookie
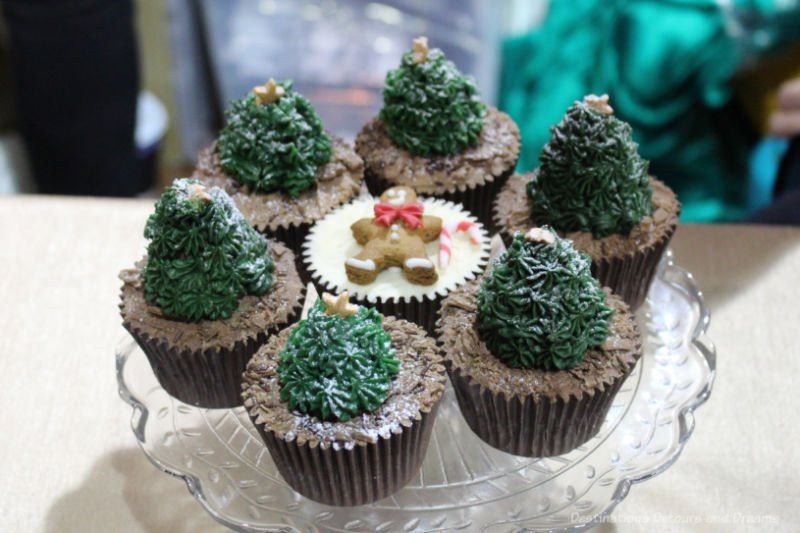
{"type": "Point", "coordinates": [395, 237]}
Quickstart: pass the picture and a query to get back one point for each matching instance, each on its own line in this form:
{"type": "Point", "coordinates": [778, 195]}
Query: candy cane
{"type": "Point", "coordinates": [448, 230]}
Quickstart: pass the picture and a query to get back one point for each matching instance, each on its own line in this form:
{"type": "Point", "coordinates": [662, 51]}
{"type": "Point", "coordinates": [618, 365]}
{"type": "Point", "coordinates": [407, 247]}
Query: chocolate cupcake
{"type": "Point", "coordinates": [281, 168]}
{"type": "Point", "coordinates": [398, 253]}
{"type": "Point", "coordinates": [593, 187]}
{"type": "Point", "coordinates": [207, 295]}
{"type": "Point", "coordinates": [345, 401]}
{"type": "Point", "coordinates": [435, 135]}
{"type": "Point", "coordinates": [537, 352]}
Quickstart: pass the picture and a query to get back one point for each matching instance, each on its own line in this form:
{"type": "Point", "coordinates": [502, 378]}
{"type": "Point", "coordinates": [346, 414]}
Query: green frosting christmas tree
{"type": "Point", "coordinates": [273, 140]}
{"type": "Point", "coordinates": [591, 177]}
{"type": "Point", "coordinates": [539, 306]}
{"type": "Point", "coordinates": [202, 256]}
{"type": "Point", "coordinates": [337, 362]}
{"type": "Point", "coordinates": [429, 107]}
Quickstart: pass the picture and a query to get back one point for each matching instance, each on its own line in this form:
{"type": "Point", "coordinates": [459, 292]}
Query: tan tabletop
{"type": "Point", "coordinates": [69, 462]}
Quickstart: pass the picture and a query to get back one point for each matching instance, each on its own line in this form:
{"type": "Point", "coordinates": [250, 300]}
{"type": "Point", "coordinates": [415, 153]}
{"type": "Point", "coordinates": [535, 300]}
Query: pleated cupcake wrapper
{"type": "Point", "coordinates": [630, 275]}
{"type": "Point", "coordinates": [210, 378]}
{"type": "Point", "coordinates": [478, 200]}
{"type": "Point", "coordinates": [293, 237]}
{"type": "Point", "coordinates": [422, 312]}
{"type": "Point", "coordinates": [357, 476]}
{"type": "Point", "coordinates": [541, 427]}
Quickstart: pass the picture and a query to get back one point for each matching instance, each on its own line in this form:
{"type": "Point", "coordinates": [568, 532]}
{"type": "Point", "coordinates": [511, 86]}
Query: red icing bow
{"type": "Point", "coordinates": [410, 213]}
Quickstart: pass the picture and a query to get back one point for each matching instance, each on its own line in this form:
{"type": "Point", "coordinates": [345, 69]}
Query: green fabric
{"type": "Point", "coordinates": [202, 256]}
{"type": "Point", "coordinates": [591, 177]}
{"type": "Point", "coordinates": [334, 367]}
{"type": "Point", "coordinates": [539, 307]}
{"type": "Point", "coordinates": [667, 66]}
{"type": "Point", "coordinates": [430, 107]}
{"type": "Point", "coordinates": [274, 146]}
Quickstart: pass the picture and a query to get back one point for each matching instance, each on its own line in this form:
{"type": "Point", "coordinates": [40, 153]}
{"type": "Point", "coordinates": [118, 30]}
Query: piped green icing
{"type": "Point", "coordinates": [274, 146]}
{"type": "Point", "coordinates": [591, 177]}
{"type": "Point", "coordinates": [539, 306]}
{"type": "Point", "coordinates": [202, 256]}
{"type": "Point", "coordinates": [430, 107]}
{"type": "Point", "coordinates": [334, 367]}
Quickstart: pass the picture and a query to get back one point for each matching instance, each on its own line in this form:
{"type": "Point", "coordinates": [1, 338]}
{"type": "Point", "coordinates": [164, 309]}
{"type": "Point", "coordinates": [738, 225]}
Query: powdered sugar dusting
{"type": "Point", "coordinates": [416, 389]}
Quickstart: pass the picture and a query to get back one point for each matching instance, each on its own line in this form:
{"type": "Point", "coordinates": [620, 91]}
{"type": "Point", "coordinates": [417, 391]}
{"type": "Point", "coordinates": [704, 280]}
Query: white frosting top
{"type": "Point", "coordinates": [330, 243]}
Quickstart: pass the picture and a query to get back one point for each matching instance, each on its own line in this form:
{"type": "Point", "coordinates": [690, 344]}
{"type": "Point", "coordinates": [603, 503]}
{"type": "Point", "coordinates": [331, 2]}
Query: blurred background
{"type": "Point", "coordinates": [116, 97]}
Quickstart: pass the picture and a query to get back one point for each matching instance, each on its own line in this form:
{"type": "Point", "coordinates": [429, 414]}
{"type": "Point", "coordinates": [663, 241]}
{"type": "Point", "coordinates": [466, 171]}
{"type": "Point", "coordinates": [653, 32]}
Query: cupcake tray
{"type": "Point", "coordinates": [463, 484]}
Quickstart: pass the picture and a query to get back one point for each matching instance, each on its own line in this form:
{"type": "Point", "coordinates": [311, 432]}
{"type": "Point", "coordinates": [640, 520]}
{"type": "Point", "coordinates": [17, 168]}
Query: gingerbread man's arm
{"type": "Point", "coordinates": [364, 230]}
{"type": "Point", "coordinates": [431, 227]}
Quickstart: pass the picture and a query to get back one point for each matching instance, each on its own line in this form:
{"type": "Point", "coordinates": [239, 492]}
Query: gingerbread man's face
{"type": "Point", "coordinates": [397, 196]}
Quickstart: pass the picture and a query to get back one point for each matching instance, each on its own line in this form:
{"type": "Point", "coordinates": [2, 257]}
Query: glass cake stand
{"type": "Point", "coordinates": [464, 484]}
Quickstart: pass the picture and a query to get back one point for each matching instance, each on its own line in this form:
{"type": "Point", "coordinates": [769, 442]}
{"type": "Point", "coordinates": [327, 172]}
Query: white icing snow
{"type": "Point", "coordinates": [396, 196]}
{"type": "Point", "coordinates": [418, 262]}
{"type": "Point", "coordinates": [366, 264]}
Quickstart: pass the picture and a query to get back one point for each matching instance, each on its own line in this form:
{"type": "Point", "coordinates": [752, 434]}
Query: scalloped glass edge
{"type": "Point", "coordinates": [667, 271]}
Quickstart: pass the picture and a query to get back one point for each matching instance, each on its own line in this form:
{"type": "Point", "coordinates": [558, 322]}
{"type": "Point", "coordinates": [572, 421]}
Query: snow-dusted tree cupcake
{"type": "Point", "coordinates": [207, 294]}
{"type": "Point", "coordinates": [537, 351]}
{"type": "Point", "coordinates": [435, 135]}
{"type": "Point", "coordinates": [345, 401]}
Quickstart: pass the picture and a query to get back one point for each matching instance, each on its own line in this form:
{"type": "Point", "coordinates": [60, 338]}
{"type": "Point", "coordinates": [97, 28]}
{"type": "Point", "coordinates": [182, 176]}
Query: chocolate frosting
{"type": "Point", "coordinates": [338, 181]}
{"type": "Point", "coordinates": [255, 314]}
{"type": "Point", "coordinates": [495, 151]}
{"type": "Point", "coordinates": [415, 390]}
{"type": "Point", "coordinates": [467, 353]}
{"type": "Point", "coordinates": [512, 213]}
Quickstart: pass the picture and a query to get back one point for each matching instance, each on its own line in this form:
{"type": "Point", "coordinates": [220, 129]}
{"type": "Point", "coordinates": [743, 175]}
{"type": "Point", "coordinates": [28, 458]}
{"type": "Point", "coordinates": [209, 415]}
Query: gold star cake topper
{"type": "Point", "coordinates": [339, 305]}
{"type": "Point", "coordinates": [268, 93]}
{"type": "Point", "coordinates": [540, 235]}
{"type": "Point", "coordinates": [599, 103]}
{"type": "Point", "coordinates": [198, 191]}
{"type": "Point", "coordinates": [419, 52]}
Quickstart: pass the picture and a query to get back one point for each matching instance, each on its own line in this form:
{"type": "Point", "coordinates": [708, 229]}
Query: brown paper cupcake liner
{"type": "Point", "coordinates": [630, 276]}
{"type": "Point", "coordinates": [211, 378]}
{"type": "Point", "coordinates": [355, 476]}
{"type": "Point", "coordinates": [529, 427]}
{"type": "Point", "coordinates": [293, 237]}
{"type": "Point", "coordinates": [421, 312]}
{"type": "Point", "coordinates": [477, 200]}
